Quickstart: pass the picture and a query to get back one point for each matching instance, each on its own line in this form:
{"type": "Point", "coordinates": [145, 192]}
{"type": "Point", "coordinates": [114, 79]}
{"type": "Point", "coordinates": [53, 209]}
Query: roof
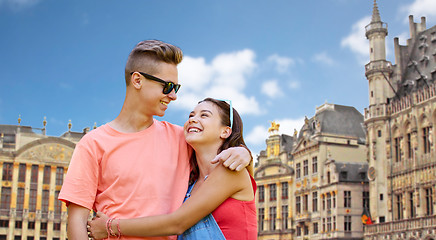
{"type": "Point", "coordinates": [417, 60]}
{"type": "Point", "coordinates": [352, 172]}
{"type": "Point", "coordinates": [338, 120]}
{"type": "Point", "coordinates": [13, 129]}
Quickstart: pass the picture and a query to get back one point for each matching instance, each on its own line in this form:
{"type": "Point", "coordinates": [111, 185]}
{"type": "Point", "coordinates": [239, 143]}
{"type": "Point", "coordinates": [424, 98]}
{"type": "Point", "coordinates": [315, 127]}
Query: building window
{"type": "Point", "coordinates": [409, 146]}
{"type": "Point", "coordinates": [6, 198]}
{"type": "Point", "coordinates": [429, 201]}
{"type": "Point", "coordinates": [323, 201]}
{"type": "Point", "coordinates": [20, 199]}
{"type": "Point", "coordinates": [329, 224]}
{"type": "Point", "coordinates": [306, 167]}
{"type": "Point", "coordinates": [305, 203]}
{"type": "Point", "coordinates": [272, 218]}
{"type": "Point", "coordinates": [412, 209]}
{"type": "Point", "coordinates": [315, 228]}
{"type": "Point", "coordinates": [4, 224]}
{"type": "Point", "coordinates": [315, 202]}
{"type": "Point", "coordinates": [285, 190]}
{"type": "Point", "coordinates": [399, 206]}
{"type": "Point", "coordinates": [45, 200]}
{"type": "Point", "coordinates": [285, 213]}
{"type": "Point", "coordinates": [34, 174]}
{"type": "Point", "coordinates": [365, 200]}
{"type": "Point", "coordinates": [261, 216]}
{"type": "Point", "coordinates": [314, 165]}
{"type": "Point", "coordinates": [426, 131]}
{"type": "Point", "coordinates": [298, 204]}
{"type": "Point", "coordinates": [347, 223]}
{"type": "Point", "coordinates": [329, 201]}
{"type": "Point", "coordinates": [298, 231]}
{"type": "Point", "coordinates": [43, 226]}
{"type": "Point", "coordinates": [57, 205]}
{"type": "Point", "coordinates": [18, 225]}
{"type": "Point", "coordinates": [32, 200]}
{"type": "Point", "coordinates": [31, 225]}
{"type": "Point", "coordinates": [328, 177]}
{"type": "Point", "coordinates": [56, 227]}
{"type": "Point", "coordinates": [7, 171]}
{"type": "Point", "coordinates": [22, 172]}
{"type": "Point", "coordinates": [306, 230]}
{"type": "Point", "coordinates": [59, 175]}
{"type": "Point", "coordinates": [47, 171]}
{"type": "Point", "coordinates": [397, 149]}
{"type": "Point", "coordinates": [379, 133]}
{"type": "Point", "coordinates": [261, 190]}
{"type": "Point", "coordinates": [272, 192]}
{"type": "Point", "coordinates": [347, 199]}
{"type": "Point", "coordinates": [298, 171]}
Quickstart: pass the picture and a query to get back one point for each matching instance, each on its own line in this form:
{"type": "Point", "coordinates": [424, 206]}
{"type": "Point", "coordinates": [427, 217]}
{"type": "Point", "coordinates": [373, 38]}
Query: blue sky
{"type": "Point", "coordinates": [277, 60]}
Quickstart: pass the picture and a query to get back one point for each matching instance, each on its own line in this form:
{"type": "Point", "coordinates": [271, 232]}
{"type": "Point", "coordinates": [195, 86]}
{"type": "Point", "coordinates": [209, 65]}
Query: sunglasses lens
{"type": "Point", "coordinates": [168, 88]}
{"type": "Point", "coordinates": [176, 88]}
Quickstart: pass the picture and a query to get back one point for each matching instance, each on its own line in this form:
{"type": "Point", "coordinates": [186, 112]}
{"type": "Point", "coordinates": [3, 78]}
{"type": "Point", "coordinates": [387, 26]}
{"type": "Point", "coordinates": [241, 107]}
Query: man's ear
{"type": "Point", "coordinates": [136, 81]}
{"type": "Point", "coordinates": [226, 132]}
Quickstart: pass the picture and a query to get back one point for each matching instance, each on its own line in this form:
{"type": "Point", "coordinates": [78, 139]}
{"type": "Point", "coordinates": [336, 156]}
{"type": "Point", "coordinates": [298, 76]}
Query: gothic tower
{"type": "Point", "coordinates": [378, 72]}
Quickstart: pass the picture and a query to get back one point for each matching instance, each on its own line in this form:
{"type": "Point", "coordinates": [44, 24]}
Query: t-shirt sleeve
{"type": "Point", "coordinates": [81, 181]}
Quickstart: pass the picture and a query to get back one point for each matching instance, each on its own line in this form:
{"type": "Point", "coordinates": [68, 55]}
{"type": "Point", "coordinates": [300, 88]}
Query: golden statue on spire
{"type": "Point", "coordinates": [274, 127]}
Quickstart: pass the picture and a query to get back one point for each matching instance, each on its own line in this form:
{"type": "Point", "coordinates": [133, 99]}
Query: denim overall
{"type": "Point", "coordinates": [205, 229]}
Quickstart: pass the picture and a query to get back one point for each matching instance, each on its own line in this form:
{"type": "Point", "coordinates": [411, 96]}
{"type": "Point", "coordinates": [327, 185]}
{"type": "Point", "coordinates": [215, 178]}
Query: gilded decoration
{"type": "Point", "coordinates": [49, 152]}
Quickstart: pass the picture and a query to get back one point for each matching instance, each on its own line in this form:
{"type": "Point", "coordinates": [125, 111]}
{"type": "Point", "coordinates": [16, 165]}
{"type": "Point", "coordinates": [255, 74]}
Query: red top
{"type": "Point", "coordinates": [237, 219]}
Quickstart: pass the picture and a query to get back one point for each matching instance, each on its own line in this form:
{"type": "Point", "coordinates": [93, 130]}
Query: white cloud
{"type": "Point", "coordinates": [271, 89]}
{"type": "Point", "coordinates": [356, 40]}
{"type": "Point", "coordinates": [282, 64]}
{"type": "Point", "coordinates": [224, 78]}
{"type": "Point", "coordinates": [259, 133]}
{"type": "Point", "coordinates": [257, 136]}
{"type": "Point", "coordinates": [403, 38]}
{"type": "Point", "coordinates": [324, 58]}
{"type": "Point", "coordinates": [19, 4]}
{"type": "Point", "coordinates": [420, 8]}
{"type": "Point", "coordinates": [294, 85]}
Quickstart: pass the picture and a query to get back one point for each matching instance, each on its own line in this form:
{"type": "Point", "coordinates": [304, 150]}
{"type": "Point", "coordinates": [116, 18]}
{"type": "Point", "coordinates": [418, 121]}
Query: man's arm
{"type": "Point", "coordinates": [77, 220]}
{"type": "Point", "coordinates": [235, 158]}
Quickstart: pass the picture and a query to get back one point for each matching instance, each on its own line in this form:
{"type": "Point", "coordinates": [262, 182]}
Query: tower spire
{"type": "Point", "coordinates": [375, 13]}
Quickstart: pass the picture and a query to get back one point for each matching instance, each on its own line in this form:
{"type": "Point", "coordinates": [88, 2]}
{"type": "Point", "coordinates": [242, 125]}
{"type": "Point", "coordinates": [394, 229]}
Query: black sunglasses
{"type": "Point", "coordinates": [168, 86]}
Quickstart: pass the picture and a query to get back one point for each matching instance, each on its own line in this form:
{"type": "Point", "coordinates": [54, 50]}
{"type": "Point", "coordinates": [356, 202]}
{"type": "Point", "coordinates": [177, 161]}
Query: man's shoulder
{"type": "Point", "coordinates": [168, 125]}
{"type": "Point", "coordinates": [95, 134]}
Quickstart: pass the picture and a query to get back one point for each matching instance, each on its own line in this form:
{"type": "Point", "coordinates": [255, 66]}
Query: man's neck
{"type": "Point", "coordinates": [131, 120]}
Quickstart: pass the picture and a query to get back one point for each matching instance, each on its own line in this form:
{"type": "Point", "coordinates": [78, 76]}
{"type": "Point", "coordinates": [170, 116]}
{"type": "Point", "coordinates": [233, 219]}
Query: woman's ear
{"type": "Point", "coordinates": [226, 132]}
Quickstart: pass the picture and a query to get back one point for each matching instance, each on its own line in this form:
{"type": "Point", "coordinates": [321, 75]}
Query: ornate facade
{"type": "Point", "coordinates": [400, 136]}
{"type": "Point", "coordinates": [32, 169]}
{"type": "Point", "coordinates": [313, 185]}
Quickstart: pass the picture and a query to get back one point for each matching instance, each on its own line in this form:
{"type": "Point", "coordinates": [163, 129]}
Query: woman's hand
{"type": "Point", "coordinates": [97, 227]}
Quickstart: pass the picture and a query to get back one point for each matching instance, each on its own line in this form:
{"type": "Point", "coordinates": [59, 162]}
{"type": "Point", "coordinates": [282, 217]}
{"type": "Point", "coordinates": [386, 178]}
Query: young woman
{"type": "Point", "coordinates": [212, 127]}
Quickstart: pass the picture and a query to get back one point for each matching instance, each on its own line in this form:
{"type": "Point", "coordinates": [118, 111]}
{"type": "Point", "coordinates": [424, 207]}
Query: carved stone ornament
{"type": "Point", "coordinates": [50, 152]}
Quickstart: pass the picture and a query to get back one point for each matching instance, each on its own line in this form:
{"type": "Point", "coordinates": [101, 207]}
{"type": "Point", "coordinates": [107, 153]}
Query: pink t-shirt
{"type": "Point", "coordinates": [129, 175]}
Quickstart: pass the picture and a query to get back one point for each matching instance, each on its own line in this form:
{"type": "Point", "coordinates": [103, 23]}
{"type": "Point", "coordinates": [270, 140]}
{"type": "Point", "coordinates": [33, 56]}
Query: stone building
{"type": "Point", "coordinates": [32, 169]}
{"type": "Point", "coordinates": [400, 136]}
{"type": "Point", "coordinates": [324, 170]}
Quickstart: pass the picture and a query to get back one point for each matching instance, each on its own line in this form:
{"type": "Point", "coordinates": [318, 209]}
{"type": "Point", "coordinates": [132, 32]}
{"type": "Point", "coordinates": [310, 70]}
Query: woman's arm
{"type": "Point", "coordinates": [221, 184]}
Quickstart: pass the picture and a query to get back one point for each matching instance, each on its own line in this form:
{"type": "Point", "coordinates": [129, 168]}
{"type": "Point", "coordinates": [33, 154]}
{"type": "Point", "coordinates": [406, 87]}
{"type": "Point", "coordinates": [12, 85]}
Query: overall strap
{"type": "Point", "coordinates": [188, 193]}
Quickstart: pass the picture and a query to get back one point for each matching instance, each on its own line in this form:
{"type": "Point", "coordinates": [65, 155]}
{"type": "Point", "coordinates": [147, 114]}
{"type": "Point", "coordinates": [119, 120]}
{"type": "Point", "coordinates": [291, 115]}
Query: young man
{"type": "Point", "coordinates": [136, 166]}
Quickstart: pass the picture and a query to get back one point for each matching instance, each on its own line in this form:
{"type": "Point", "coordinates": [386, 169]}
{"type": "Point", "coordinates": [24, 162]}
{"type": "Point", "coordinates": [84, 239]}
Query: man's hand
{"type": "Point", "coordinates": [97, 227]}
{"type": "Point", "coordinates": [235, 158]}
